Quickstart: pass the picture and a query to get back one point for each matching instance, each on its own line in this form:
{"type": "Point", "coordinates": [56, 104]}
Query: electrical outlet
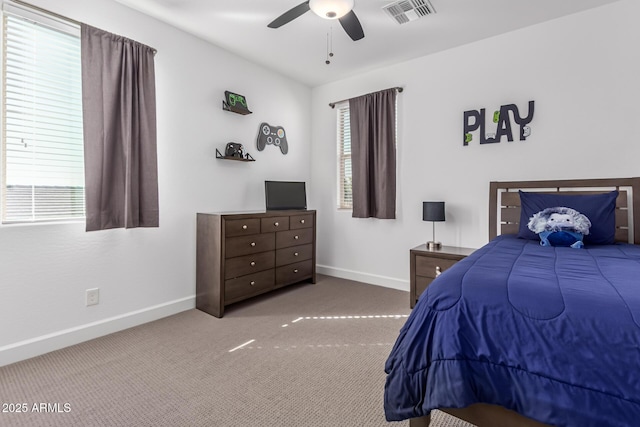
{"type": "Point", "coordinates": [93, 296]}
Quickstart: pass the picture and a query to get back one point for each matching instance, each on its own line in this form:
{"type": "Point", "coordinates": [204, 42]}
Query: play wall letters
{"type": "Point", "coordinates": [475, 120]}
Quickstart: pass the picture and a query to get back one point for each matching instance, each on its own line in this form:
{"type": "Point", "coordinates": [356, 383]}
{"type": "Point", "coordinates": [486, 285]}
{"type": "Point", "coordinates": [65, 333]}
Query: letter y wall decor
{"type": "Point", "coordinates": [506, 121]}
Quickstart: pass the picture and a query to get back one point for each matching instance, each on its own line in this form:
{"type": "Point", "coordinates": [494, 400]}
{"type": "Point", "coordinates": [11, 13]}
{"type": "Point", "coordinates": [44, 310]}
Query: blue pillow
{"type": "Point", "coordinates": [599, 208]}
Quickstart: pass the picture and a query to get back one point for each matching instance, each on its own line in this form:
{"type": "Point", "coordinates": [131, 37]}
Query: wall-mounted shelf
{"type": "Point", "coordinates": [247, 157]}
{"type": "Point", "coordinates": [243, 111]}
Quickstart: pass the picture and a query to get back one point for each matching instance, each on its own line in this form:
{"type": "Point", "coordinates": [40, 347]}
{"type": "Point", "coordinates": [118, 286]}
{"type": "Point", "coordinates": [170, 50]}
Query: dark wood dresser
{"type": "Point", "coordinates": [241, 255]}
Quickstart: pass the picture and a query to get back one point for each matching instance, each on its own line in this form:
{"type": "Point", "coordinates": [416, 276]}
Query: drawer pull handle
{"type": "Point", "coordinates": [252, 283]}
{"type": "Point", "coordinates": [244, 227]}
{"type": "Point", "coordinates": [296, 237]}
{"type": "Point", "coordinates": [253, 243]}
{"type": "Point", "coordinates": [253, 264]}
{"type": "Point", "coordinates": [438, 270]}
{"type": "Point", "coordinates": [295, 271]}
{"type": "Point", "coordinates": [295, 254]}
{"type": "Point", "coordinates": [276, 224]}
{"type": "Point", "coordinates": [302, 221]}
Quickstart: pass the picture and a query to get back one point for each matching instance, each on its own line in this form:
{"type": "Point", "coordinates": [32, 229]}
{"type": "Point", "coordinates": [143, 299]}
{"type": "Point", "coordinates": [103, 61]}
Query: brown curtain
{"type": "Point", "coordinates": [373, 154]}
{"type": "Point", "coordinates": [119, 119]}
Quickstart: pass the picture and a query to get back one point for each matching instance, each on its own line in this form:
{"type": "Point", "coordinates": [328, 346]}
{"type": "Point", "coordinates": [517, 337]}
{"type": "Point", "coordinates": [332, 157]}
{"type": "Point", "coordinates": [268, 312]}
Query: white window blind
{"type": "Point", "coordinates": [42, 142]}
{"type": "Point", "coordinates": [345, 199]}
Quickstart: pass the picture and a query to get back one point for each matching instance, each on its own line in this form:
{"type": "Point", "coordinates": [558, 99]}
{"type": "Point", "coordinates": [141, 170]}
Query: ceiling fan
{"type": "Point", "coordinates": [342, 10]}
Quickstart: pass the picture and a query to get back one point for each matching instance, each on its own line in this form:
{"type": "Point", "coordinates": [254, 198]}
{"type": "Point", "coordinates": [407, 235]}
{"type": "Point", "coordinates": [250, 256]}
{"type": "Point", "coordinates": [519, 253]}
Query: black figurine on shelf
{"type": "Point", "coordinates": [234, 150]}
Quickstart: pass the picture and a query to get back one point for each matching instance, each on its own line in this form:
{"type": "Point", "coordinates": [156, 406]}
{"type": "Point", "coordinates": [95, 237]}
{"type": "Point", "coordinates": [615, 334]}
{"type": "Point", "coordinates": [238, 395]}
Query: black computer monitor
{"type": "Point", "coordinates": [280, 195]}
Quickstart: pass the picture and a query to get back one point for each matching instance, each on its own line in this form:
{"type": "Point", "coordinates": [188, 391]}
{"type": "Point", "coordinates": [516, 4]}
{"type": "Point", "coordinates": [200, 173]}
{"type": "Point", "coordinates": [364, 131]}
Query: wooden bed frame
{"type": "Point", "coordinates": [504, 218]}
{"type": "Point", "coordinates": [504, 202]}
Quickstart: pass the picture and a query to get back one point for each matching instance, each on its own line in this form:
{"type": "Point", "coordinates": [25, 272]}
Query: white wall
{"type": "Point", "coordinates": [583, 73]}
{"type": "Point", "coordinates": [144, 274]}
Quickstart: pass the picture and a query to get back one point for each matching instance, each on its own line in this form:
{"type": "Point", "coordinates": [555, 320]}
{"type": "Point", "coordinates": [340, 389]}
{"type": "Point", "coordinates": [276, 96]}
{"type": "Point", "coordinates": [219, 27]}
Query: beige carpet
{"type": "Point", "coordinates": [308, 355]}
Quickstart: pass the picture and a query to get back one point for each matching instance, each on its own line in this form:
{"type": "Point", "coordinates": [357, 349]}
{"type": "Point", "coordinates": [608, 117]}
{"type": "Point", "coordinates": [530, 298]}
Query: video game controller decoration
{"type": "Point", "coordinates": [272, 135]}
{"type": "Point", "coordinates": [235, 102]}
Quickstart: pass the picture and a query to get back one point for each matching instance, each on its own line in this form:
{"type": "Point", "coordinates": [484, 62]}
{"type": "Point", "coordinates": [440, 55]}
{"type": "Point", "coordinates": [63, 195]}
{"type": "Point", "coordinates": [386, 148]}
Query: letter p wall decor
{"type": "Point", "coordinates": [507, 121]}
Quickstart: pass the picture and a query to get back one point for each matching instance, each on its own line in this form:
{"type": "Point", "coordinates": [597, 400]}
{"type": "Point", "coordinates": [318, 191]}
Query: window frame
{"type": "Point", "coordinates": [72, 195]}
{"type": "Point", "coordinates": [343, 118]}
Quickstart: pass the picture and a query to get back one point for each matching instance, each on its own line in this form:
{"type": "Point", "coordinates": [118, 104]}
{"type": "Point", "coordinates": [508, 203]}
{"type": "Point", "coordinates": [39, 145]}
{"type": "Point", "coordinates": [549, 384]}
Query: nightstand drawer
{"type": "Point", "coordinates": [429, 267]}
{"type": "Point", "coordinates": [427, 264]}
{"type": "Point", "coordinates": [422, 283]}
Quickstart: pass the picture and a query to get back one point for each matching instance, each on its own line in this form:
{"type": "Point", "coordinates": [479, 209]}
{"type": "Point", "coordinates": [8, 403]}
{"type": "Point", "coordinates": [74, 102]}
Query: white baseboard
{"type": "Point", "coordinates": [46, 343]}
{"type": "Point", "coordinates": [358, 276]}
{"type": "Point", "coordinates": [33, 347]}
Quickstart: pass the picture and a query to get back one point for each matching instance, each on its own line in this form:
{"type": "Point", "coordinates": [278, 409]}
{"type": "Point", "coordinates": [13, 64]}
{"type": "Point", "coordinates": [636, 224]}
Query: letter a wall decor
{"type": "Point", "coordinates": [507, 121]}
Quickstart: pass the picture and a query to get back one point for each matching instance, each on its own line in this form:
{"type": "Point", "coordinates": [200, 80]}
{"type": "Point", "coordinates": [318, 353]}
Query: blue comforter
{"type": "Point", "coordinates": [552, 333]}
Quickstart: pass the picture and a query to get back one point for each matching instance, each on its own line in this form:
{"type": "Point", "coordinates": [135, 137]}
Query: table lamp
{"type": "Point", "coordinates": [434, 212]}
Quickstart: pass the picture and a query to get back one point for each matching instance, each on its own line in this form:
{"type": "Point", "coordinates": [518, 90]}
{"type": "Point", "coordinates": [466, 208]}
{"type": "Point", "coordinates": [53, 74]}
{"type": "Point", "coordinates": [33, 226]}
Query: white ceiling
{"type": "Point", "coordinates": [299, 48]}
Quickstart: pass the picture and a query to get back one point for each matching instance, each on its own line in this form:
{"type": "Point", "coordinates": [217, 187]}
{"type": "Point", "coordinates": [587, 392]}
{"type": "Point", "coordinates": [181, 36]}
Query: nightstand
{"type": "Point", "coordinates": [427, 264]}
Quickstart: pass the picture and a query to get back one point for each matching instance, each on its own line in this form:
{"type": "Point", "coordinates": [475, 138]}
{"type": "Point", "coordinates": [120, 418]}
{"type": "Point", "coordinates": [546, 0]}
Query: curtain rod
{"type": "Point", "coordinates": [56, 15]}
{"type": "Point", "coordinates": [333, 104]}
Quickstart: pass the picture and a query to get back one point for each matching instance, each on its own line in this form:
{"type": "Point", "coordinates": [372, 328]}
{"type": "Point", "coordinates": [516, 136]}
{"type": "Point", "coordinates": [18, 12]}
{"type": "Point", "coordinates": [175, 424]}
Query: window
{"type": "Point", "coordinates": [345, 200]}
{"type": "Point", "coordinates": [345, 196]}
{"type": "Point", "coordinates": [42, 143]}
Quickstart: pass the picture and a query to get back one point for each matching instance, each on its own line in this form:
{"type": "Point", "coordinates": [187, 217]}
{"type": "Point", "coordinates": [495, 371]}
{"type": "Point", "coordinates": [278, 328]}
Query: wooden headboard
{"type": "Point", "coordinates": [504, 202]}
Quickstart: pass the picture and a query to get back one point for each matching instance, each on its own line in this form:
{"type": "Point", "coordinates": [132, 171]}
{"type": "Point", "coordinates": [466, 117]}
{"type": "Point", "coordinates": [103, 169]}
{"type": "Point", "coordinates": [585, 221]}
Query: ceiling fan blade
{"type": "Point", "coordinates": [352, 26]}
{"type": "Point", "coordinates": [290, 15]}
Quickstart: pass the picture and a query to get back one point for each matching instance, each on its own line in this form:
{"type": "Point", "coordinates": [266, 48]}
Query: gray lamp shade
{"type": "Point", "coordinates": [433, 211]}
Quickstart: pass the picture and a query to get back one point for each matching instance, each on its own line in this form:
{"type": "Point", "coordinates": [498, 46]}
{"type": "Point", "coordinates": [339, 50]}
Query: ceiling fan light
{"type": "Point", "coordinates": [331, 9]}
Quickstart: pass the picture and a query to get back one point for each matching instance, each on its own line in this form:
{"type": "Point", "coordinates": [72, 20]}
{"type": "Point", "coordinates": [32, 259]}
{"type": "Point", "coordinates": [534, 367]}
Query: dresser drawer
{"type": "Point", "coordinates": [246, 286]}
{"type": "Point", "coordinates": [428, 266]}
{"type": "Point", "coordinates": [293, 254]}
{"type": "Point", "coordinates": [239, 266]}
{"type": "Point", "coordinates": [294, 237]}
{"type": "Point", "coordinates": [272, 224]}
{"type": "Point", "coordinates": [301, 221]}
{"type": "Point", "coordinates": [293, 272]}
{"type": "Point", "coordinates": [242, 227]}
{"type": "Point", "coordinates": [245, 245]}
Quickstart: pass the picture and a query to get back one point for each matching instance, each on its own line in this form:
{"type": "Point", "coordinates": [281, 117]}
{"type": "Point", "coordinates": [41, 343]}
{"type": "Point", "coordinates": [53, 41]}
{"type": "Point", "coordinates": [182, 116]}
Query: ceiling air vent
{"type": "Point", "coordinates": [404, 11]}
